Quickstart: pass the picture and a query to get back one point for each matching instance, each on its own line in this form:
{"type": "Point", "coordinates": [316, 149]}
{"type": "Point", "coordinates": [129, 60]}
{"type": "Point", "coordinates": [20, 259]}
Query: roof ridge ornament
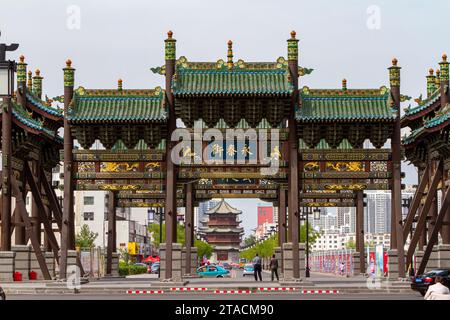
{"type": "Point", "coordinates": [230, 55]}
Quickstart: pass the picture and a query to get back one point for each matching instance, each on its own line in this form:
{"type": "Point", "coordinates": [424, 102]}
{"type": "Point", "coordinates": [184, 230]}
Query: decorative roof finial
{"type": "Point", "coordinates": [169, 51]}
{"type": "Point", "coordinates": [119, 84]}
{"type": "Point", "coordinates": [230, 54]}
{"type": "Point", "coordinates": [292, 47]}
{"type": "Point", "coordinates": [344, 84]}
{"type": "Point", "coordinates": [394, 74]}
{"type": "Point", "coordinates": [37, 83]}
{"type": "Point", "coordinates": [444, 65]}
{"type": "Point", "coordinates": [431, 82]}
{"type": "Point", "coordinates": [30, 79]}
{"type": "Point", "coordinates": [69, 74]}
{"type": "Point", "coordinates": [21, 71]}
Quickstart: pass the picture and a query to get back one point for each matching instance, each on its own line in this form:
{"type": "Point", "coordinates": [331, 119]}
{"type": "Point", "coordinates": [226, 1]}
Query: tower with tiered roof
{"type": "Point", "coordinates": [222, 231]}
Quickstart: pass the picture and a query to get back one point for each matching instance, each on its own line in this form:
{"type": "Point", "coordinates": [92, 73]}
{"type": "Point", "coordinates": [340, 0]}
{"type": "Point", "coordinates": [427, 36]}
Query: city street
{"type": "Point", "coordinates": [228, 297]}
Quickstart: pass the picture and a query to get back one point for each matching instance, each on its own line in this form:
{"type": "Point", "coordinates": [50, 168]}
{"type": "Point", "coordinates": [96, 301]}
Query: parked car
{"type": "Point", "coordinates": [227, 266]}
{"type": "Point", "coordinates": [149, 269]}
{"type": "Point", "coordinates": [155, 267]}
{"type": "Point", "coordinates": [213, 271]}
{"type": "Point", "coordinates": [421, 283]}
{"type": "Point", "coordinates": [248, 270]}
{"type": "Point", "coordinates": [2, 294]}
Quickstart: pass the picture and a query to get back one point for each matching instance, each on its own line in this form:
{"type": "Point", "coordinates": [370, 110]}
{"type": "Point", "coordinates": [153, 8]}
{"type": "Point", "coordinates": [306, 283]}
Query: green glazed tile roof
{"type": "Point", "coordinates": [345, 105]}
{"type": "Point", "coordinates": [208, 79]}
{"type": "Point", "coordinates": [22, 115]}
{"type": "Point", "coordinates": [442, 117]}
{"type": "Point", "coordinates": [38, 103]}
{"type": "Point", "coordinates": [410, 112]}
{"type": "Point", "coordinates": [94, 106]}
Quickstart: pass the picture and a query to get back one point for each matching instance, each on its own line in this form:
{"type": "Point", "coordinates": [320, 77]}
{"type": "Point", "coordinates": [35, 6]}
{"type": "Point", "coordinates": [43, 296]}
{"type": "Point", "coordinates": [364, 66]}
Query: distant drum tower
{"type": "Point", "coordinates": [221, 229]}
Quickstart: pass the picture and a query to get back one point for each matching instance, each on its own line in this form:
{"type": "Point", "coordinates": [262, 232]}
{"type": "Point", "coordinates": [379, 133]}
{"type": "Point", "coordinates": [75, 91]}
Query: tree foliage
{"type": "Point", "coordinates": [203, 248]}
{"type": "Point", "coordinates": [266, 248]}
{"type": "Point", "coordinates": [85, 238]}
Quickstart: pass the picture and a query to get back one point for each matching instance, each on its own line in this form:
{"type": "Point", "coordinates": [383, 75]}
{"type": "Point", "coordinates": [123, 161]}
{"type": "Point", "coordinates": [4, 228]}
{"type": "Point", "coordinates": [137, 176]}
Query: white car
{"type": "Point", "coordinates": [248, 270]}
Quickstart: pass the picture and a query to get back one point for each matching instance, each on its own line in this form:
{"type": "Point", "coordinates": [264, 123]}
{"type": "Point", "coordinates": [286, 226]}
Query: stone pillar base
{"type": "Point", "coordinates": [356, 264]}
{"type": "Point", "coordinates": [433, 261]}
{"type": "Point", "coordinates": [443, 255]}
{"type": "Point", "coordinates": [22, 260]}
{"type": "Point", "coordinates": [288, 263]}
{"type": "Point", "coordinates": [193, 270]}
{"type": "Point", "coordinates": [7, 266]}
{"type": "Point", "coordinates": [194, 259]}
{"type": "Point", "coordinates": [50, 261]}
{"type": "Point", "coordinates": [114, 265]}
{"type": "Point", "coordinates": [392, 264]}
{"type": "Point", "coordinates": [176, 262]}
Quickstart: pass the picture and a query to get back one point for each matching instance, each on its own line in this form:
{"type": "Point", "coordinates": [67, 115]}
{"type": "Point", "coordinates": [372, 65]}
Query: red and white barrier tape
{"type": "Point", "coordinates": [277, 289]}
{"type": "Point", "coordinates": [232, 291]}
{"type": "Point", "coordinates": [145, 291]}
{"type": "Point", "coordinates": [188, 289]}
{"type": "Point", "coordinates": [320, 291]}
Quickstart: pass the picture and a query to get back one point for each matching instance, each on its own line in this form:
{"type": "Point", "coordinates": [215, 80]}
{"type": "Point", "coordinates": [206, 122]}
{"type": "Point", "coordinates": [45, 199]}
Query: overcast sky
{"type": "Point", "coordinates": [107, 40]}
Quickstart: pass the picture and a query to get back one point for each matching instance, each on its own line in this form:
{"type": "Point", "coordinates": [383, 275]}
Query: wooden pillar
{"type": "Point", "coordinates": [20, 235]}
{"type": "Point", "coordinates": [423, 235]}
{"type": "Point", "coordinates": [360, 230]}
{"type": "Point", "coordinates": [396, 196]}
{"type": "Point", "coordinates": [111, 232]}
{"type": "Point", "coordinates": [171, 177]}
{"type": "Point", "coordinates": [282, 216]}
{"type": "Point", "coordinates": [34, 207]}
{"type": "Point", "coordinates": [67, 218]}
{"type": "Point", "coordinates": [189, 226]}
{"type": "Point", "coordinates": [293, 199]}
{"type": "Point", "coordinates": [432, 213]}
{"type": "Point", "coordinates": [445, 229]}
{"type": "Point", "coordinates": [6, 174]}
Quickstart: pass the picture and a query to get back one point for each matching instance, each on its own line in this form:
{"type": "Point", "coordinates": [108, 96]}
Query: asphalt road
{"type": "Point", "coordinates": [228, 297]}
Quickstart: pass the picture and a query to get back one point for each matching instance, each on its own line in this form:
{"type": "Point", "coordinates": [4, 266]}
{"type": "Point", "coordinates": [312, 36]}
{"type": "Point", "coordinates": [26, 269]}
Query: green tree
{"type": "Point", "coordinates": [350, 244]}
{"type": "Point", "coordinates": [203, 249]}
{"type": "Point", "coordinates": [249, 241]}
{"type": "Point", "coordinates": [154, 230]}
{"type": "Point", "coordinates": [85, 238]}
{"type": "Point", "coordinates": [312, 236]}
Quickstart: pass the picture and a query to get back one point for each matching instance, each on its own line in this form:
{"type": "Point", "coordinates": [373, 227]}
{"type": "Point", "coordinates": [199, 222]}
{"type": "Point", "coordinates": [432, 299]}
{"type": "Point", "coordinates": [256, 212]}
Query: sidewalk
{"type": "Point", "coordinates": [317, 281]}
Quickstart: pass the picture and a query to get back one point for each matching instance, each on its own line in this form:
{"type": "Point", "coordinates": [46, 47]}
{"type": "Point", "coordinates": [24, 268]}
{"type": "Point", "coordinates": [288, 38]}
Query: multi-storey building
{"type": "Point", "coordinates": [221, 229]}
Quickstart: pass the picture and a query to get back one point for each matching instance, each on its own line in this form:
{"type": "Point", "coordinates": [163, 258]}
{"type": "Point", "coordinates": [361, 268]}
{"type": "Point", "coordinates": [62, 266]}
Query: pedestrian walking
{"type": "Point", "coordinates": [341, 269]}
{"type": "Point", "coordinates": [274, 267]}
{"type": "Point", "coordinates": [257, 267]}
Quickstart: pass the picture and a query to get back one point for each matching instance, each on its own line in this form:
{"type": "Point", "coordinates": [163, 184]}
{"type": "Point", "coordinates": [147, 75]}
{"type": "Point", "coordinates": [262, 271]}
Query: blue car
{"type": "Point", "coordinates": [248, 270]}
{"type": "Point", "coordinates": [213, 271]}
